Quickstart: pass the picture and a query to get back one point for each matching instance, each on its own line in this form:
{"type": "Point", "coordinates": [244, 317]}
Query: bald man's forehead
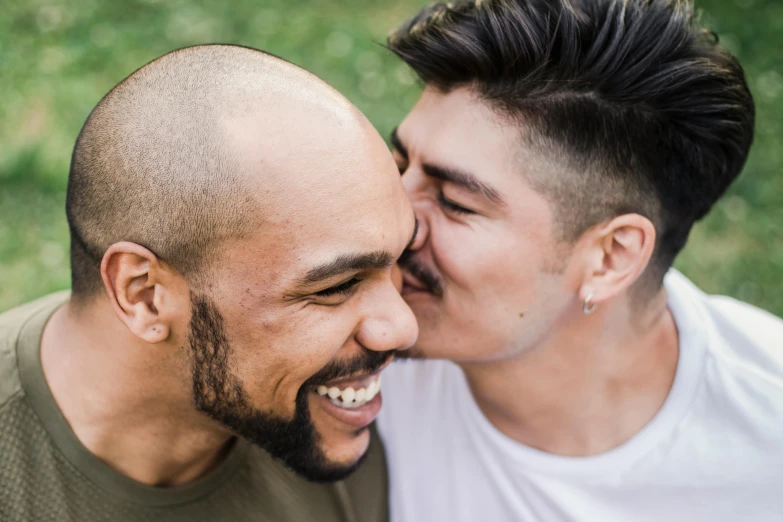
{"type": "Point", "coordinates": [307, 149]}
{"type": "Point", "coordinates": [306, 232]}
{"type": "Point", "coordinates": [318, 174]}
{"type": "Point", "coordinates": [204, 145]}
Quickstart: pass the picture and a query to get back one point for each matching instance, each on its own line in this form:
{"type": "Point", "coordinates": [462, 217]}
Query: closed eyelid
{"type": "Point", "coordinates": [343, 288]}
{"type": "Point", "coordinates": [451, 205]}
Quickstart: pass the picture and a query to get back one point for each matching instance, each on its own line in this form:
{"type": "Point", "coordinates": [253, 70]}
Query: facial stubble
{"type": "Point", "coordinates": [220, 394]}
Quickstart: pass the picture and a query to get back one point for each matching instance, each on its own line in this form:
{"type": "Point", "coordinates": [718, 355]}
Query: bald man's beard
{"type": "Point", "coordinates": [220, 394]}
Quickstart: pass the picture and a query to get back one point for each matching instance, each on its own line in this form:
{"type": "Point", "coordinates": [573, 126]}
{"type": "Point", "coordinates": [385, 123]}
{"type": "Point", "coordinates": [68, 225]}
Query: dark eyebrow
{"type": "Point", "coordinates": [463, 179]}
{"type": "Point", "coordinates": [397, 144]}
{"type": "Point", "coordinates": [458, 177]}
{"type": "Point", "coordinates": [347, 263]}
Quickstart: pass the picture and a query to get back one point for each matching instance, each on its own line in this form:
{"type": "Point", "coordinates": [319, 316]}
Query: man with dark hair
{"type": "Point", "coordinates": [230, 287]}
{"type": "Point", "coordinates": [557, 160]}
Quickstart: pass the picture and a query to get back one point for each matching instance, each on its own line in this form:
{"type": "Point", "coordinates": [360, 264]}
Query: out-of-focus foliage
{"type": "Point", "coordinates": [57, 58]}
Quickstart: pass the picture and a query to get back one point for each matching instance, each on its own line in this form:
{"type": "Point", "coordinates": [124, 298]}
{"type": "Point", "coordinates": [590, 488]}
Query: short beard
{"type": "Point", "coordinates": [220, 394]}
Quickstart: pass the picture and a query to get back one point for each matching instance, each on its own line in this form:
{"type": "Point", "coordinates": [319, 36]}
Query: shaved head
{"type": "Point", "coordinates": [241, 216]}
{"type": "Point", "coordinates": [156, 162]}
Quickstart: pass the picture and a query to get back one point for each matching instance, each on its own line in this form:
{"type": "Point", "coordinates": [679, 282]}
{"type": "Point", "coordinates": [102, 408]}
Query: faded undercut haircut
{"type": "Point", "coordinates": [151, 164]}
{"type": "Point", "coordinates": [641, 107]}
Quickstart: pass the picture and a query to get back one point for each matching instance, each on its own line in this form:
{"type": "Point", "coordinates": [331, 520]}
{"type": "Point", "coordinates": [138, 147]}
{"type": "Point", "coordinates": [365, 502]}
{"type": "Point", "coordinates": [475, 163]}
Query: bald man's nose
{"type": "Point", "coordinates": [390, 324]}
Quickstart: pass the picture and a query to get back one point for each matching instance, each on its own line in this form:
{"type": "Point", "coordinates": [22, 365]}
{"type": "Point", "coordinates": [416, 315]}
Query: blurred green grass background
{"type": "Point", "coordinates": [58, 58]}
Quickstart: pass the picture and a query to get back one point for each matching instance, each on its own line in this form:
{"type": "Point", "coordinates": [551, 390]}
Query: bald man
{"type": "Point", "coordinates": [234, 223]}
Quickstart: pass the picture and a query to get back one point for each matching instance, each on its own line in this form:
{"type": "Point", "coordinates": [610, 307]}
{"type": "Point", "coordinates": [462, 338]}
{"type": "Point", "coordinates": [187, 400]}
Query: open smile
{"type": "Point", "coordinates": [355, 400]}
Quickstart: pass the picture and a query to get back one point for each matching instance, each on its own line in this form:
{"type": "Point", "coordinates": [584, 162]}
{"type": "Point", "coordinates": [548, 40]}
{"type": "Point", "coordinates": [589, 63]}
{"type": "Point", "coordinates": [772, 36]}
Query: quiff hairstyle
{"type": "Point", "coordinates": [641, 108]}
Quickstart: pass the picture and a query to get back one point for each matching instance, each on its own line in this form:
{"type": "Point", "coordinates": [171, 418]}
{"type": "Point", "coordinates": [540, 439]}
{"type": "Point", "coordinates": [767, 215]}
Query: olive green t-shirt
{"type": "Point", "coordinates": [46, 474]}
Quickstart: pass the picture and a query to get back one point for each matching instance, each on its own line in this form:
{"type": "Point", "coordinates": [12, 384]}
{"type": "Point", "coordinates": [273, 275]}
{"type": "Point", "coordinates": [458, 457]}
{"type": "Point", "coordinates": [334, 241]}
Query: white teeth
{"type": "Point", "coordinates": [347, 405]}
{"type": "Point", "coordinates": [348, 395]}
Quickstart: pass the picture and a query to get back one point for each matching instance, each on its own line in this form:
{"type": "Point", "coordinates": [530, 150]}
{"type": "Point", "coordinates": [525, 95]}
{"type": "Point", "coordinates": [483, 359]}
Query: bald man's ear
{"type": "Point", "coordinates": [140, 289]}
{"type": "Point", "coordinates": [617, 254]}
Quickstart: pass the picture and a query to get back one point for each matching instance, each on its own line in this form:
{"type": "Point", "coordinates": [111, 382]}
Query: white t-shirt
{"type": "Point", "coordinates": [714, 452]}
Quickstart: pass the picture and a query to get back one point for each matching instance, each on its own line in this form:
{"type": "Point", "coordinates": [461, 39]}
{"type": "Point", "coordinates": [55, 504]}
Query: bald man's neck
{"type": "Point", "coordinates": [113, 393]}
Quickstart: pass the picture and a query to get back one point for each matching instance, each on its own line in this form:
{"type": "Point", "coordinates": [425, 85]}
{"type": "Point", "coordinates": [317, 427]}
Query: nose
{"type": "Point", "coordinates": [389, 323]}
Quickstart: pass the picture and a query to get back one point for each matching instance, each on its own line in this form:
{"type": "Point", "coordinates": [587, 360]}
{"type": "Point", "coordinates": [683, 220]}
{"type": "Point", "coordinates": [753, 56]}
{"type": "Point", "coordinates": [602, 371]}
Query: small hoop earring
{"type": "Point", "coordinates": [588, 307]}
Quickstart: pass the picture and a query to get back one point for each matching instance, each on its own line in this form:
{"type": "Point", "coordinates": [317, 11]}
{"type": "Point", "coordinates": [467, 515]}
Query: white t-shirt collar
{"type": "Point", "coordinates": [690, 318]}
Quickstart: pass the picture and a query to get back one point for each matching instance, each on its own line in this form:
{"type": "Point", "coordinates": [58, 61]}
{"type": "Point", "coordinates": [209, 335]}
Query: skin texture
{"type": "Point", "coordinates": [496, 291]}
{"type": "Point", "coordinates": [320, 183]}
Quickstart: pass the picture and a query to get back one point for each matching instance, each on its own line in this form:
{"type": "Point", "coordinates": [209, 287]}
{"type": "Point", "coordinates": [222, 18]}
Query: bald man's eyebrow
{"type": "Point", "coordinates": [463, 179]}
{"type": "Point", "coordinates": [348, 263]}
{"type": "Point", "coordinates": [394, 138]}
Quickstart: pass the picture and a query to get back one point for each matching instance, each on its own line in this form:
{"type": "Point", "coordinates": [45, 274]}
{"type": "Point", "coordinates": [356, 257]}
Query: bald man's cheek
{"type": "Point", "coordinates": [396, 276]}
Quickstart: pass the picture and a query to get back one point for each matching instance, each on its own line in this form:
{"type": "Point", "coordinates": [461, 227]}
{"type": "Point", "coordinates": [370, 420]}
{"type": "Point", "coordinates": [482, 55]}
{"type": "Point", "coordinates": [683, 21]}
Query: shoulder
{"type": "Point", "coordinates": [747, 343]}
{"type": "Point", "coordinates": [737, 335]}
{"type": "Point", "coordinates": [12, 323]}
{"type": "Point", "coordinates": [743, 325]}
{"type": "Point", "coordinates": [743, 358]}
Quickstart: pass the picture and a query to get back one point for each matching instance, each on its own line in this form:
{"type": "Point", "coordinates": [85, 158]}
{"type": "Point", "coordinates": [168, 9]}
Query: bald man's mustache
{"type": "Point", "coordinates": [366, 364]}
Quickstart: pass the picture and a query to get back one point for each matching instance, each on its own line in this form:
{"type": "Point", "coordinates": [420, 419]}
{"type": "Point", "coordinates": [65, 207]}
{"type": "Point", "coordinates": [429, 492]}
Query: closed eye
{"type": "Point", "coordinates": [451, 206]}
{"type": "Point", "coordinates": [343, 288]}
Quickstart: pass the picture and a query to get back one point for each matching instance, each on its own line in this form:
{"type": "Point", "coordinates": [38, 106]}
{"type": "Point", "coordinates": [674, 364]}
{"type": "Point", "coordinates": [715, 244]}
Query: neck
{"type": "Point", "coordinates": [588, 388]}
{"type": "Point", "coordinates": [119, 399]}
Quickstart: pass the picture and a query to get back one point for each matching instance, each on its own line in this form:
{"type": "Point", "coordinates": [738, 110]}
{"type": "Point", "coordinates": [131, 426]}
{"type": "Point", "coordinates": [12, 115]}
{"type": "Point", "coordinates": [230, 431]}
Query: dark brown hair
{"type": "Point", "coordinates": [650, 114]}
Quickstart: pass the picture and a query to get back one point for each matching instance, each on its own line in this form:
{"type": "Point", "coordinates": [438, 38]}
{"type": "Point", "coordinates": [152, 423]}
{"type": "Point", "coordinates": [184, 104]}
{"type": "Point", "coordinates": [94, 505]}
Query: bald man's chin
{"type": "Point", "coordinates": [346, 455]}
{"type": "Point", "coordinates": [343, 433]}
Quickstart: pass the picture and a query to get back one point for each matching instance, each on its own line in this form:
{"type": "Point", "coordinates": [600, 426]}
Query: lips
{"type": "Point", "coordinates": [351, 393]}
{"type": "Point", "coordinates": [354, 400]}
{"type": "Point", "coordinates": [358, 417]}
